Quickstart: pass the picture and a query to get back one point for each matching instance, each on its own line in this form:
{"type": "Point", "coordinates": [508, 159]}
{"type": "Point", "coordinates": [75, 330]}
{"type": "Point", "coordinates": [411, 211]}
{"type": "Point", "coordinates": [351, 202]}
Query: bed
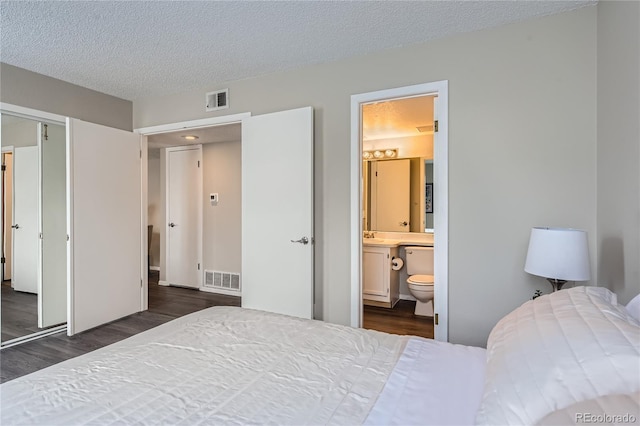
{"type": "Point", "coordinates": [227, 365]}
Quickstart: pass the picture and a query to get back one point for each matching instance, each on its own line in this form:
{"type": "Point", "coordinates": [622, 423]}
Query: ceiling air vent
{"type": "Point", "coordinates": [217, 100]}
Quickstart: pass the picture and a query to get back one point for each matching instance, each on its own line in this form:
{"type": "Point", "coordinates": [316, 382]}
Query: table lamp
{"type": "Point", "coordinates": [559, 255]}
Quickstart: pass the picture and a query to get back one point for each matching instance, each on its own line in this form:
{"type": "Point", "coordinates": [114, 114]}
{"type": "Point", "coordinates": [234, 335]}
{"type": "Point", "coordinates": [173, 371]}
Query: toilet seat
{"type": "Point", "coordinates": [425, 280]}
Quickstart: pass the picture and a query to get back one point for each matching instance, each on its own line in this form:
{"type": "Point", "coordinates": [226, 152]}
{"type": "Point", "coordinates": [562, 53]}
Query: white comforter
{"type": "Point", "coordinates": [229, 365]}
{"type": "Point", "coordinates": [221, 365]}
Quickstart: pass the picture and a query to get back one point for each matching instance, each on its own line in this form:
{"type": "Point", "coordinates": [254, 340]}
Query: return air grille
{"type": "Point", "coordinates": [222, 280]}
{"type": "Point", "coordinates": [217, 100]}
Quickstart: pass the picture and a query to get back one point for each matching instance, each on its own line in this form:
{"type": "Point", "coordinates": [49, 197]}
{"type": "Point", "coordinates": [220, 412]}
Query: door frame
{"type": "Point", "coordinates": [200, 203]}
{"type": "Point", "coordinates": [8, 150]}
{"type": "Point", "coordinates": [441, 198]}
{"type": "Point", "coordinates": [159, 129]}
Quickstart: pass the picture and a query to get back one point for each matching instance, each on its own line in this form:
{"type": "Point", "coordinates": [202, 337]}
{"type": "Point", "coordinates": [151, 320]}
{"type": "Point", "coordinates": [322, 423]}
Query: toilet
{"type": "Point", "coordinates": [419, 261]}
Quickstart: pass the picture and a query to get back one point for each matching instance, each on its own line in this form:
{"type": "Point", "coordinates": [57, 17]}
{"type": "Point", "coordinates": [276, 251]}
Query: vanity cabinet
{"type": "Point", "coordinates": [380, 283]}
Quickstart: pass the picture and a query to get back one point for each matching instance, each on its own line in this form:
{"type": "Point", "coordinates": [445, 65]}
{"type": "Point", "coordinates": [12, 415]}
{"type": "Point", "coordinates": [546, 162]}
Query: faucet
{"type": "Point", "coordinates": [369, 234]}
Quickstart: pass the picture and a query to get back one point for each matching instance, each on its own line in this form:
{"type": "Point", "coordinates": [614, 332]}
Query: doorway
{"type": "Point", "coordinates": [439, 191]}
{"type": "Point", "coordinates": [277, 167]}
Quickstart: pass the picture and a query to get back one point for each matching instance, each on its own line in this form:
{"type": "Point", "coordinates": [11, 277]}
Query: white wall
{"type": "Point", "coordinates": [619, 147]}
{"type": "Point", "coordinates": [154, 206]}
{"type": "Point", "coordinates": [222, 222]}
{"type": "Point", "coordinates": [522, 117]}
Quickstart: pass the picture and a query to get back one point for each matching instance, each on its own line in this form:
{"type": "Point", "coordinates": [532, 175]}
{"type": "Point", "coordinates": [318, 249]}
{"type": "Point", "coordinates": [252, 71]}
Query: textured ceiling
{"type": "Point", "coordinates": [149, 48]}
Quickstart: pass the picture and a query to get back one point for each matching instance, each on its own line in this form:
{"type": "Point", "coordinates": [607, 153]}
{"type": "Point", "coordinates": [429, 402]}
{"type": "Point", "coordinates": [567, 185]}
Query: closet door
{"type": "Point", "coordinates": [52, 290]}
{"type": "Point", "coordinates": [104, 202]}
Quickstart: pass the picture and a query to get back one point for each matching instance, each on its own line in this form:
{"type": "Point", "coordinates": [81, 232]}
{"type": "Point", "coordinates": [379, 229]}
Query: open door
{"type": "Point", "coordinates": [104, 204]}
{"type": "Point", "coordinates": [277, 212]}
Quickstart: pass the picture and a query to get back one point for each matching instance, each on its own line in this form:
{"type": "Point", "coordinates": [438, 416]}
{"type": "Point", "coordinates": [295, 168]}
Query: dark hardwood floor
{"type": "Point", "coordinates": [19, 313]}
{"type": "Point", "coordinates": [165, 304]}
{"type": "Point", "coordinates": [399, 320]}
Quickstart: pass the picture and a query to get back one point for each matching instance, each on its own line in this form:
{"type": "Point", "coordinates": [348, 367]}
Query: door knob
{"type": "Point", "coordinates": [172, 225]}
{"type": "Point", "coordinates": [16, 226]}
{"type": "Point", "coordinates": [405, 223]}
{"type": "Point", "coordinates": [303, 240]}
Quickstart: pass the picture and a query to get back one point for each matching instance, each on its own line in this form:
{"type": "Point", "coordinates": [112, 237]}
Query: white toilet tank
{"type": "Point", "coordinates": [419, 260]}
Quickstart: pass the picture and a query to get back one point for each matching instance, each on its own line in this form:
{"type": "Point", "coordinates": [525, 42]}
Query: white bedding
{"type": "Point", "coordinates": [434, 383]}
{"type": "Point", "coordinates": [222, 365]}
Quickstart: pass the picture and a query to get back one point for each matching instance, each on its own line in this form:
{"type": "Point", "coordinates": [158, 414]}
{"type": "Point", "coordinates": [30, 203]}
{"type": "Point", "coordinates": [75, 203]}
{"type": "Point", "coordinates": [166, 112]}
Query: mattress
{"type": "Point", "coordinates": [222, 365]}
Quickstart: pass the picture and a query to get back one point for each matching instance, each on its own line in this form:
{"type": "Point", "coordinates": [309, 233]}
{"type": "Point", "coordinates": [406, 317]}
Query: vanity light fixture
{"type": "Point", "coordinates": [190, 137]}
{"type": "Point", "coordinates": [380, 154]}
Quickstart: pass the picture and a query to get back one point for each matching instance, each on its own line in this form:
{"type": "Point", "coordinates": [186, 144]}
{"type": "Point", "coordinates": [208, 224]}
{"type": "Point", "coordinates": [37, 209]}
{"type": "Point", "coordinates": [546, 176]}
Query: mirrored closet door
{"type": "Point", "coordinates": [34, 236]}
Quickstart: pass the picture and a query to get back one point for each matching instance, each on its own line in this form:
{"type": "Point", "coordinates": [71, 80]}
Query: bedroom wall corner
{"type": "Point", "coordinates": [618, 148]}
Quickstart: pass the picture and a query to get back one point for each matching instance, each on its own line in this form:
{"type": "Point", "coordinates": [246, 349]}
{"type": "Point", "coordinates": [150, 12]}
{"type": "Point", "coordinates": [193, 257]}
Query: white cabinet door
{"type": "Point", "coordinates": [25, 219]}
{"type": "Point", "coordinates": [277, 212]}
{"type": "Point", "coordinates": [105, 209]}
{"type": "Point", "coordinates": [375, 271]}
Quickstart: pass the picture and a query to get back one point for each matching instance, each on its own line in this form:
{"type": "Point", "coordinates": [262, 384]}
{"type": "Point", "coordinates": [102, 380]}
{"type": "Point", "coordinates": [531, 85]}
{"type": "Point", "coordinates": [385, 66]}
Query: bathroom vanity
{"type": "Point", "coordinates": [380, 283]}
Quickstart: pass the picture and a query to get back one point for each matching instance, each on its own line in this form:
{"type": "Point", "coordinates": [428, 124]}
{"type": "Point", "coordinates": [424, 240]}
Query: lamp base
{"type": "Point", "coordinates": [556, 284]}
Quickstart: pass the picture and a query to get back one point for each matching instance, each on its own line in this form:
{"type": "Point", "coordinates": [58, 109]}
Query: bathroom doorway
{"type": "Point", "coordinates": [371, 117]}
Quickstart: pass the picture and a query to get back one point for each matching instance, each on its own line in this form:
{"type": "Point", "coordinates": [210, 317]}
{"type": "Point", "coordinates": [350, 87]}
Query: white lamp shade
{"type": "Point", "coordinates": [559, 253]}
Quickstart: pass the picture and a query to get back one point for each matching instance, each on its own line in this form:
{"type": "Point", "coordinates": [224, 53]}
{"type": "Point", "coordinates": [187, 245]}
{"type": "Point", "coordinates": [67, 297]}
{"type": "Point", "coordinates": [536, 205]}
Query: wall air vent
{"type": "Point", "coordinates": [222, 280]}
{"type": "Point", "coordinates": [217, 100]}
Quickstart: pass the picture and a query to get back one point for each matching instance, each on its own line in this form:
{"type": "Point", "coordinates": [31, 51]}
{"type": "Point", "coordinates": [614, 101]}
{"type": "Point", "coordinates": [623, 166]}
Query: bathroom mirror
{"type": "Point", "coordinates": [398, 195]}
{"type": "Point", "coordinates": [397, 168]}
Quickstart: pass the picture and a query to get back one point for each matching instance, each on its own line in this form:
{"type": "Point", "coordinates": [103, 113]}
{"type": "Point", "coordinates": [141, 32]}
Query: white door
{"type": "Point", "coordinates": [391, 203]}
{"type": "Point", "coordinates": [277, 212]}
{"type": "Point", "coordinates": [184, 216]}
{"type": "Point", "coordinates": [7, 182]}
{"type": "Point", "coordinates": [52, 291]}
{"type": "Point", "coordinates": [104, 172]}
{"type": "Point", "coordinates": [25, 219]}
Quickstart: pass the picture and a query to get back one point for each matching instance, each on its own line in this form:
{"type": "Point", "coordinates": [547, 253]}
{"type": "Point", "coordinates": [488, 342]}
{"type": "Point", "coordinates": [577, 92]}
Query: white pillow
{"type": "Point", "coordinates": [556, 350]}
{"type": "Point", "coordinates": [633, 307]}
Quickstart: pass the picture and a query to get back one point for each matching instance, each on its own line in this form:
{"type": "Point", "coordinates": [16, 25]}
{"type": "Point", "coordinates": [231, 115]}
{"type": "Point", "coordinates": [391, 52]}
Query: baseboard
{"type": "Point", "coordinates": [221, 291]}
{"type": "Point", "coordinates": [154, 268]}
{"type": "Point", "coordinates": [407, 297]}
{"type": "Point", "coordinates": [164, 283]}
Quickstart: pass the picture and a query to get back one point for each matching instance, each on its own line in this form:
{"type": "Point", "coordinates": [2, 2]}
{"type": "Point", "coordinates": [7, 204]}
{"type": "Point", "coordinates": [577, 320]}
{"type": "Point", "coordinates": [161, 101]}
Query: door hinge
{"type": "Point", "coordinates": [198, 266]}
{"type": "Point", "coordinates": [435, 319]}
{"type": "Point", "coordinates": [140, 282]}
{"type": "Point", "coordinates": [67, 237]}
{"type": "Point", "coordinates": [4, 168]}
{"type": "Point", "coordinates": [435, 126]}
{"type": "Point", "coordinates": [198, 163]}
{"type": "Point", "coordinates": [4, 260]}
{"type": "Point", "coordinates": [41, 235]}
{"type": "Point", "coordinates": [45, 132]}
{"type": "Point", "coordinates": [140, 153]}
